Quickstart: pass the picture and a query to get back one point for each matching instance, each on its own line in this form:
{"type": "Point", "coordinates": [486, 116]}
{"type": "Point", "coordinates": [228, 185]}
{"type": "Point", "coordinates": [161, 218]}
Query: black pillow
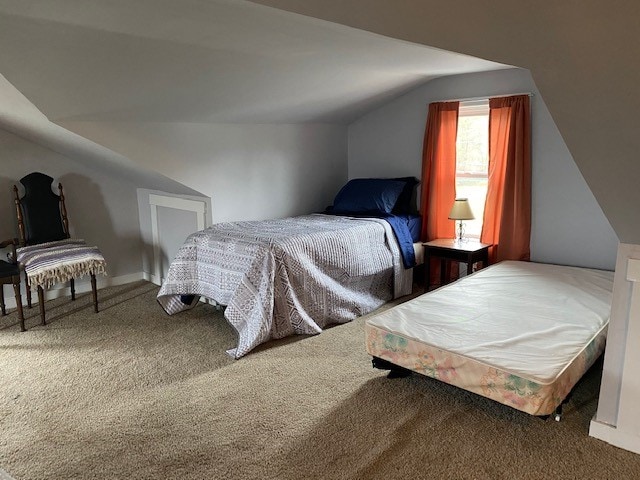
{"type": "Point", "coordinates": [406, 202]}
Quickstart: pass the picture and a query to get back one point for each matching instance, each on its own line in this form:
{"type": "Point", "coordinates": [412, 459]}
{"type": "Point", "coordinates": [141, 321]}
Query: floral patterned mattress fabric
{"type": "Point", "coordinates": [519, 333]}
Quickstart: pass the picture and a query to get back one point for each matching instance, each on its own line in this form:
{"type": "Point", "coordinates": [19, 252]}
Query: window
{"type": "Point", "coordinates": [472, 160]}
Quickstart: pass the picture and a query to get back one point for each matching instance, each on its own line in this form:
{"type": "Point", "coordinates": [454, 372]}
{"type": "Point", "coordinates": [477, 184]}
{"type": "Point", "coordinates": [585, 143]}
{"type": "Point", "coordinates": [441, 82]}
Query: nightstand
{"type": "Point", "coordinates": [447, 249]}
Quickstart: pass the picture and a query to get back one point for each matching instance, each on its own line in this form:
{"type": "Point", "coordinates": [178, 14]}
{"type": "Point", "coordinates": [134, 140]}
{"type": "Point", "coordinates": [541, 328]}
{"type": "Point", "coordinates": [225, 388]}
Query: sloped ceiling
{"type": "Point", "coordinates": [217, 61]}
{"type": "Point", "coordinates": [190, 61]}
{"type": "Point", "coordinates": [230, 61]}
{"type": "Point", "coordinates": [583, 56]}
{"type": "Point", "coordinates": [20, 117]}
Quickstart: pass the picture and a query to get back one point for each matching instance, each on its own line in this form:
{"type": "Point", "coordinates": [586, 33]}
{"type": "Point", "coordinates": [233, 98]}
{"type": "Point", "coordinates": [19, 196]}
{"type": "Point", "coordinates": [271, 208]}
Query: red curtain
{"type": "Point", "coordinates": [439, 176]}
{"type": "Point", "coordinates": [507, 214]}
{"type": "Point", "coordinates": [439, 171]}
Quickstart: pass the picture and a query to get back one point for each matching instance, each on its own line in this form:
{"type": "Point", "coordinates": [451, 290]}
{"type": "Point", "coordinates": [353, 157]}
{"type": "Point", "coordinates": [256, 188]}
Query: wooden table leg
{"type": "Point", "coordinates": [16, 289]}
{"type": "Point", "coordinates": [28, 287]}
{"type": "Point", "coordinates": [41, 302]}
{"type": "Point", "coordinates": [94, 292]}
{"type": "Point", "coordinates": [2, 307]}
{"type": "Point", "coordinates": [427, 271]}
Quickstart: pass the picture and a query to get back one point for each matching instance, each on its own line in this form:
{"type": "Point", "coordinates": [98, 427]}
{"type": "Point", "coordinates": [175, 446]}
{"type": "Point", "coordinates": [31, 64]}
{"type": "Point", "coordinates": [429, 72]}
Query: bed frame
{"type": "Point", "coordinates": [421, 335]}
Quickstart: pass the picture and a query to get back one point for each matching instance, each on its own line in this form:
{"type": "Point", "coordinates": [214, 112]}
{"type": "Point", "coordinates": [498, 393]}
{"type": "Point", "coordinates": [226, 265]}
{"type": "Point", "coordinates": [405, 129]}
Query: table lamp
{"type": "Point", "coordinates": [461, 211]}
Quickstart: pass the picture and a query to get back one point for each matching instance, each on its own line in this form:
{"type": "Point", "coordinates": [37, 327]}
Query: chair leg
{"type": "Point", "coordinates": [72, 283]}
{"type": "Point", "coordinates": [94, 291]}
{"type": "Point", "coordinates": [2, 307]}
{"type": "Point", "coordinates": [41, 302]}
{"type": "Point", "coordinates": [28, 285]}
{"type": "Point", "coordinates": [16, 289]}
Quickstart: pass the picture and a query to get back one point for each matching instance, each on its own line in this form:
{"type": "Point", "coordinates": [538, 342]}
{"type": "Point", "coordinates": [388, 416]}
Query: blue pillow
{"type": "Point", "coordinates": [368, 195]}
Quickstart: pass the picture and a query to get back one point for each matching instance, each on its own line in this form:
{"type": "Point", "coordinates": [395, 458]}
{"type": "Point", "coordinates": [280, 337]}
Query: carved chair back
{"type": "Point", "coordinates": [42, 215]}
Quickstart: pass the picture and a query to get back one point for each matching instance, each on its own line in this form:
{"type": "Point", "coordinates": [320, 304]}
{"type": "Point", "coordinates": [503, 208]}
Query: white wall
{"type": "Point", "coordinates": [102, 209]}
{"type": "Point", "coordinates": [250, 171]}
{"type": "Point", "coordinates": [568, 225]}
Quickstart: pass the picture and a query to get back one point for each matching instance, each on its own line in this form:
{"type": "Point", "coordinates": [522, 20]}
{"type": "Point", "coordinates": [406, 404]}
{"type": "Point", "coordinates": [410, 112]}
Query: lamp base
{"type": "Point", "coordinates": [460, 237]}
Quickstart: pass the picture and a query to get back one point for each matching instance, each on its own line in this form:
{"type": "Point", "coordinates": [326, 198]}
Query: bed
{"type": "Point", "coordinates": [519, 333]}
{"type": "Point", "coordinates": [298, 275]}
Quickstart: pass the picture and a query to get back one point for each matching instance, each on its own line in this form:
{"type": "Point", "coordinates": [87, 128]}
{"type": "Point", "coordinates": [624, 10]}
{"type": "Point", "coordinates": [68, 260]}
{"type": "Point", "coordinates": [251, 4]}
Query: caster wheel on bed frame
{"type": "Point", "coordinates": [557, 415]}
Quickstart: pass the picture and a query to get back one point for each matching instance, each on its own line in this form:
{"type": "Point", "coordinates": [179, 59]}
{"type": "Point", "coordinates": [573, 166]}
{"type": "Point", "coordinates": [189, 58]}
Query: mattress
{"type": "Point", "coordinates": [519, 333]}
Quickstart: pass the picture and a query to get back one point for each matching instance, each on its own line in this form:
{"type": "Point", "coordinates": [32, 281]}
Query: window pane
{"type": "Point", "coordinates": [475, 189]}
{"type": "Point", "coordinates": [472, 152]}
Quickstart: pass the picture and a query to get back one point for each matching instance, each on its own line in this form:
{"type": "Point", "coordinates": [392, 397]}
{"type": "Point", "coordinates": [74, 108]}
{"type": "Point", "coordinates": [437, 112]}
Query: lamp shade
{"type": "Point", "coordinates": [461, 210]}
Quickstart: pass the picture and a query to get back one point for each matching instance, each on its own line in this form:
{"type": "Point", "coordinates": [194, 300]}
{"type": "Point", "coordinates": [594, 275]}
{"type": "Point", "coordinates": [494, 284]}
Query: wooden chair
{"type": "Point", "coordinates": [47, 253]}
{"type": "Point", "coordinates": [10, 273]}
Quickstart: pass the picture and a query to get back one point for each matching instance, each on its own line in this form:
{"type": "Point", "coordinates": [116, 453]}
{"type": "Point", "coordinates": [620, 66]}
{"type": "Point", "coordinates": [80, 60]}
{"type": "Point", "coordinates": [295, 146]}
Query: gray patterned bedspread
{"type": "Point", "coordinates": [289, 276]}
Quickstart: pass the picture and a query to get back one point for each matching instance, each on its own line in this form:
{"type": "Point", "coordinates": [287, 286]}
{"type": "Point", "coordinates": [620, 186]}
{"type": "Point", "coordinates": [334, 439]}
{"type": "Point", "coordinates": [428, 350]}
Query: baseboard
{"type": "Point", "coordinates": [82, 286]}
{"type": "Point", "coordinates": [615, 436]}
{"type": "Point", "coordinates": [150, 277]}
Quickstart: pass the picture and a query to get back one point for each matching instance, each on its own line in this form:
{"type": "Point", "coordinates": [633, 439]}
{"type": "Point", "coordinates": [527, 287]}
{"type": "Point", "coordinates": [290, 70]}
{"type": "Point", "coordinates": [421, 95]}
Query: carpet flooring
{"type": "Point", "coordinates": [131, 393]}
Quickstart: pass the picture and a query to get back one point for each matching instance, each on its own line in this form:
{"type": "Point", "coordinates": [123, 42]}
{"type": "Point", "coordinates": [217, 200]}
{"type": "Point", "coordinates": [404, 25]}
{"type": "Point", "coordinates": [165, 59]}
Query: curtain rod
{"type": "Point", "coordinates": [469, 99]}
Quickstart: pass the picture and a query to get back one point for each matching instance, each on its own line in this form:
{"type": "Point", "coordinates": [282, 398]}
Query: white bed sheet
{"type": "Point", "coordinates": [526, 318]}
